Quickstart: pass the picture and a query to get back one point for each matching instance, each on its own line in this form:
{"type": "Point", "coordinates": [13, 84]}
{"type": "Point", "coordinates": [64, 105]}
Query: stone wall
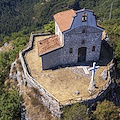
{"type": "Point", "coordinates": [52, 59]}
{"type": "Point", "coordinates": [47, 98]}
{"type": "Point", "coordinates": [75, 39]}
{"type": "Point", "coordinates": [91, 21]}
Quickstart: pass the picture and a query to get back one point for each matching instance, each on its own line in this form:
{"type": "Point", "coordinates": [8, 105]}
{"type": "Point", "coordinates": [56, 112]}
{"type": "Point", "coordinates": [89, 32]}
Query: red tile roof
{"type": "Point", "coordinates": [49, 44]}
{"type": "Point", "coordinates": [64, 19]}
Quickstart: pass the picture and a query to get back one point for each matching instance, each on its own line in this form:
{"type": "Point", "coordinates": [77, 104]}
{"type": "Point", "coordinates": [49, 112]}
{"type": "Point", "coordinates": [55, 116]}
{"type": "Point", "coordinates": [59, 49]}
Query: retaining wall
{"type": "Point", "coordinates": [47, 98]}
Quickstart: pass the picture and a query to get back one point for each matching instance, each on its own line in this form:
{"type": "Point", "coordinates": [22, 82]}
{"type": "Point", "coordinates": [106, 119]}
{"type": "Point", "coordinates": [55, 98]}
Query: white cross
{"type": "Point", "coordinates": [92, 84]}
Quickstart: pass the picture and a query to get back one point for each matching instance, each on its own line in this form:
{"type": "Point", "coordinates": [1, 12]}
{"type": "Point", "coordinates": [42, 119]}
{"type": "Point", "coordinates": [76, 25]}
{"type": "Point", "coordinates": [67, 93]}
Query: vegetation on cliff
{"type": "Point", "coordinates": [20, 17]}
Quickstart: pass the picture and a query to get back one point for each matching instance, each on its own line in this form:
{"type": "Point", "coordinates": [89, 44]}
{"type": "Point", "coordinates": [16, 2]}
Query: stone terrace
{"type": "Point", "coordinates": [62, 82]}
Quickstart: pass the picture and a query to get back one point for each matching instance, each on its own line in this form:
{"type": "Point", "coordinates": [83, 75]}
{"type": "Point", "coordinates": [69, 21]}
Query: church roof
{"type": "Point", "coordinates": [64, 19]}
{"type": "Point", "coordinates": [84, 9]}
{"type": "Point", "coordinates": [49, 44]}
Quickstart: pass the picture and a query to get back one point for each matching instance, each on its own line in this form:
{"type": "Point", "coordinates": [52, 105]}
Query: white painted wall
{"type": "Point", "coordinates": [59, 33]}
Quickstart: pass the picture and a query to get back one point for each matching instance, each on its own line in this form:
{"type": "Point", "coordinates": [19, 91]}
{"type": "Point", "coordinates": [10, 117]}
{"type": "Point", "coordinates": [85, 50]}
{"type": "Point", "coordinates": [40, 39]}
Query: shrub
{"type": "Point", "coordinates": [50, 27]}
{"type": "Point", "coordinates": [75, 112]}
{"type": "Point", "coordinates": [106, 111]}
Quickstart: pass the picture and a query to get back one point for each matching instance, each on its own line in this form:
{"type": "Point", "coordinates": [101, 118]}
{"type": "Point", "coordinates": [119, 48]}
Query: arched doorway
{"type": "Point", "coordinates": [82, 54]}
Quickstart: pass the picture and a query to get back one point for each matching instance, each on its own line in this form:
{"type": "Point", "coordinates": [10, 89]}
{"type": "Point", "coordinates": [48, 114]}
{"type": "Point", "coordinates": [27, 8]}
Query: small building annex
{"type": "Point", "coordinates": [77, 38]}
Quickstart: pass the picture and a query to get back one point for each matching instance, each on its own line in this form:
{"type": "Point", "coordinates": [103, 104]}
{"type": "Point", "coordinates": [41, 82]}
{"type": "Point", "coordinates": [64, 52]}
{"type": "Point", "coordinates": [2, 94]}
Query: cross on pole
{"type": "Point", "coordinates": [92, 84]}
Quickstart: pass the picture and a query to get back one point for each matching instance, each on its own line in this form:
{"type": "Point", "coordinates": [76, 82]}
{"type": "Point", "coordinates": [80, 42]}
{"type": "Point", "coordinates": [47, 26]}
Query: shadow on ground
{"type": "Point", "coordinates": [106, 54]}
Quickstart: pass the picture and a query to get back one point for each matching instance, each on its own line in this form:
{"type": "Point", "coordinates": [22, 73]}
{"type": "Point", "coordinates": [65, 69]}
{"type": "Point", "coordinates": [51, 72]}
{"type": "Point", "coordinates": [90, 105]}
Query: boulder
{"type": "Point", "coordinates": [0, 49]}
{"type": "Point", "coordinates": [104, 74]}
{"type": "Point", "coordinates": [6, 44]}
{"type": "Point", "coordinates": [76, 92]}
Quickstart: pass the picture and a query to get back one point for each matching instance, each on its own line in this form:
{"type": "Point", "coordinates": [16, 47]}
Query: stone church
{"type": "Point", "coordinates": [77, 39]}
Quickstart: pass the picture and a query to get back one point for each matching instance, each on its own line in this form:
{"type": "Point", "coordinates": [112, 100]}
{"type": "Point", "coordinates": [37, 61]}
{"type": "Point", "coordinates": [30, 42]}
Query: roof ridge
{"type": "Point", "coordinates": [64, 11]}
{"type": "Point", "coordinates": [81, 10]}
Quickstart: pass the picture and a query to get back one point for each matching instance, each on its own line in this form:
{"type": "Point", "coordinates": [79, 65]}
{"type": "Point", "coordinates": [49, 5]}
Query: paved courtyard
{"type": "Point", "coordinates": [63, 82]}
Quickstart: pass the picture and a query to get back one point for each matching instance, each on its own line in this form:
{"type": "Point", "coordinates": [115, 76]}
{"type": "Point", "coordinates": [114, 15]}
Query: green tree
{"type": "Point", "coordinates": [106, 111]}
{"type": "Point", "coordinates": [6, 39]}
{"type": "Point", "coordinates": [50, 27]}
{"type": "Point", "coordinates": [10, 105]}
{"type": "Point", "coordinates": [4, 62]}
{"type": "Point", "coordinates": [75, 112]}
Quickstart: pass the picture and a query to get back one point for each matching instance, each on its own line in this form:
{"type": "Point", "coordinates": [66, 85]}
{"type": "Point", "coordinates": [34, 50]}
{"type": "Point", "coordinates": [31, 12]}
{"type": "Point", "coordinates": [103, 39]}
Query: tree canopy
{"type": "Point", "coordinates": [106, 111]}
{"type": "Point", "coordinates": [20, 17]}
{"type": "Point", "coordinates": [75, 112]}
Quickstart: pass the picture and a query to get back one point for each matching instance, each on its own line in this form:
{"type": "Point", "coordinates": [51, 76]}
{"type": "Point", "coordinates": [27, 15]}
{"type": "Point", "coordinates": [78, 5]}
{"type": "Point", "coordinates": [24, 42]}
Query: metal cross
{"type": "Point", "coordinates": [92, 84]}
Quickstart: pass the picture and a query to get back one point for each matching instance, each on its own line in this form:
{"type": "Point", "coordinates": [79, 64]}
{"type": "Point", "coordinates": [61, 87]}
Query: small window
{"type": "Point", "coordinates": [83, 31]}
{"type": "Point", "coordinates": [84, 17]}
{"type": "Point", "coordinates": [93, 48]}
{"type": "Point", "coordinates": [70, 50]}
{"type": "Point", "coordinates": [83, 42]}
{"type": "Point", "coordinates": [25, 83]}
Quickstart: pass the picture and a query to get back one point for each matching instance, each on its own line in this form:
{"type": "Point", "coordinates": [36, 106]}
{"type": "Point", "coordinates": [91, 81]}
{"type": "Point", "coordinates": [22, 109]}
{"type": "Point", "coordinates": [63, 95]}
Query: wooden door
{"type": "Point", "coordinates": [81, 54]}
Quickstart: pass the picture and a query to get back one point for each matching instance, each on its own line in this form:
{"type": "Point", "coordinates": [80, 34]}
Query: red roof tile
{"type": "Point", "coordinates": [64, 19]}
{"type": "Point", "coordinates": [49, 44]}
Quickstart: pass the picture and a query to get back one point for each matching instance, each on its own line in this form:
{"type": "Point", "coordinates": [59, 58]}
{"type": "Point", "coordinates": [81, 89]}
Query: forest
{"type": "Point", "coordinates": [18, 18]}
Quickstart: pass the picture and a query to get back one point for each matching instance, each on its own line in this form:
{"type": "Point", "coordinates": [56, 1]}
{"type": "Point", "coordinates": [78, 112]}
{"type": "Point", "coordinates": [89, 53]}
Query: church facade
{"type": "Point", "coordinates": [77, 39]}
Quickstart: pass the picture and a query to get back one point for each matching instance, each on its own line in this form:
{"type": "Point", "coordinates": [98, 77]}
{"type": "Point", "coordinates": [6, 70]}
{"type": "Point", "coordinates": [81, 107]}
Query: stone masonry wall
{"type": "Point", "coordinates": [73, 39]}
{"type": "Point", "coordinates": [51, 59]}
{"type": "Point", "coordinates": [47, 98]}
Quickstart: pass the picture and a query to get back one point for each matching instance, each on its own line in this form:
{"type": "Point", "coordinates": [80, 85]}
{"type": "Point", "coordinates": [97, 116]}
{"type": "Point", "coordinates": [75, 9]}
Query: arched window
{"type": "Point", "coordinates": [83, 42]}
{"type": "Point", "coordinates": [70, 50]}
{"type": "Point", "coordinates": [84, 17]}
{"type": "Point", "coordinates": [40, 43]}
{"type": "Point", "coordinates": [25, 83]}
{"type": "Point", "coordinates": [83, 31]}
{"type": "Point", "coordinates": [93, 48]}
